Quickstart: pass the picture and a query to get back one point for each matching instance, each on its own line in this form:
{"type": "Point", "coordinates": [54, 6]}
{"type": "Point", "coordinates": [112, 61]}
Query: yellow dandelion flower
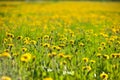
{"type": "Point", "coordinates": [61, 55]}
{"type": "Point", "coordinates": [5, 54]}
{"type": "Point", "coordinates": [19, 38]}
{"type": "Point", "coordinates": [72, 42]}
{"type": "Point", "coordinates": [68, 57]}
{"type": "Point", "coordinates": [81, 44]}
{"type": "Point", "coordinates": [49, 78]}
{"type": "Point", "coordinates": [54, 54]}
{"type": "Point", "coordinates": [46, 37]}
{"type": "Point", "coordinates": [33, 42]}
{"type": "Point", "coordinates": [26, 57]}
{"type": "Point", "coordinates": [85, 59]}
{"type": "Point", "coordinates": [46, 45]}
{"type": "Point", "coordinates": [10, 45]}
{"type": "Point", "coordinates": [103, 43]}
{"type": "Point", "coordinates": [5, 78]}
{"type": "Point", "coordinates": [24, 49]}
{"type": "Point", "coordinates": [100, 48]}
{"type": "Point", "coordinates": [99, 55]}
{"type": "Point", "coordinates": [92, 61]}
{"type": "Point", "coordinates": [88, 68]}
{"type": "Point", "coordinates": [103, 76]}
{"type": "Point", "coordinates": [106, 56]}
{"type": "Point", "coordinates": [58, 48]}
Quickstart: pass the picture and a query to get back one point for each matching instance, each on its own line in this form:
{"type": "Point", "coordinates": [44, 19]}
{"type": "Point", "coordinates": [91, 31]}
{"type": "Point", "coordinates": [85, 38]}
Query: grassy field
{"type": "Point", "coordinates": [60, 41]}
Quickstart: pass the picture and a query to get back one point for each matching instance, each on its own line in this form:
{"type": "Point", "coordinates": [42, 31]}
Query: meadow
{"type": "Point", "coordinates": [60, 41]}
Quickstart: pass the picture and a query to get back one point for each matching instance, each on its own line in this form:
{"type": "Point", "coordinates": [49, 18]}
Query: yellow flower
{"type": "Point", "coordinates": [19, 37]}
{"type": "Point", "coordinates": [24, 49]}
{"type": "Point", "coordinates": [103, 43]}
{"type": "Point", "coordinates": [99, 55]}
{"type": "Point", "coordinates": [68, 57]}
{"type": "Point", "coordinates": [72, 42]}
{"type": "Point", "coordinates": [103, 76]}
{"type": "Point", "coordinates": [81, 44]}
{"type": "Point", "coordinates": [92, 61]}
{"type": "Point", "coordinates": [88, 68]}
{"type": "Point", "coordinates": [46, 45]}
{"type": "Point", "coordinates": [10, 45]}
{"type": "Point", "coordinates": [26, 57]}
{"type": "Point", "coordinates": [49, 78]}
{"type": "Point", "coordinates": [85, 59]}
{"type": "Point", "coordinates": [5, 54]}
{"type": "Point", "coordinates": [61, 55]}
{"type": "Point", "coordinates": [105, 56]}
{"type": "Point", "coordinates": [46, 37]}
{"type": "Point", "coordinates": [33, 42]}
{"type": "Point", "coordinates": [5, 78]}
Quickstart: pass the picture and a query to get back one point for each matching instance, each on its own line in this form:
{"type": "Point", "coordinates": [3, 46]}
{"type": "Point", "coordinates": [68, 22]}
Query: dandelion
{"type": "Point", "coordinates": [19, 38]}
{"type": "Point", "coordinates": [103, 43]}
{"type": "Point", "coordinates": [10, 45]}
{"type": "Point", "coordinates": [103, 76]}
{"type": "Point", "coordinates": [61, 55]}
{"type": "Point", "coordinates": [54, 54]}
{"type": "Point", "coordinates": [24, 49]}
{"type": "Point", "coordinates": [68, 57]}
{"type": "Point", "coordinates": [48, 78]}
{"type": "Point", "coordinates": [105, 56]}
{"type": "Point", "coordinates": [46, 45]}
{"type": "Point", "coordinates": [26, 57]}
{"type": "Point", "coordinates": [92, 61]}
{"type": "Point", "coordinates": [5, 78]}
{"type": "Point", "coordinates": [88, 68]}
{"type": "Point", "coordinates": [6, 54]}
{"type": "Point", "coordinates": [33, 42]}
{"type": "Point", "coordinates": [81, 44]}
{"type": "Point", "coordinates": [72, 42]}
{"type": "Point", "coordinates": [100, 48]}
{"type": "Point", "coordinates": [99, 55]}
{"type": "Point", "coordinates": [85, 60]}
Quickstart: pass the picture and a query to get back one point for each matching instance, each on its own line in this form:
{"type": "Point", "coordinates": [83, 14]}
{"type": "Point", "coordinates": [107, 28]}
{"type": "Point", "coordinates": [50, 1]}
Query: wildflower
{"type": "Point", "coordinates": [81, 44]}
{"type": "Point", "coordinates": [103, 76]}
{"type": "Point", "coordinates": [48, 78]}
{"type": "Point", "coordinates": [10, 45]}
{"type": "Point", "coordinates": [26, 42]}
{"type": "Point", "coordinates": [113, 55]}
{"type": "Point", "coordinates": [100, 48]}
{"type": "Point", "coordinates": [88, 68]}
{"type": "Point", "coordinates": [68, 57]}
{"type": "Point", "coordinates": [46, 37]}
{"type": "Point", "coordinates": [5, 54]}
{"type": "Point", "coordinates": [46, 45]}
{"type": "Point", "coordinates": [50, 55]}
{"type": "Point", "coordinates": [58, 48]}
{"type": "Point", "coordinates": [19, 37]}
{"type": "Point", "coordinates": [9, 35]}
{"type": "Point", "coordinates": [105, 56]}
{"type": "Point", "coordinates": [5, 78]}
{"type": "Point", "coordinates": [92, 61]}
{"type": "Point", "coordinates": [99, 55]}
{"type": "Point", "coordinates": [61, 55]}
{"type": "Point", "coordinates": [5, 40]}
{"type": "Point", "coordinates": [26, 57]}
{"type": "Point", "coordinates": [72, 42]}
{"type": "Point", "coordinates": [24, 49]}
{"type": "Point", "coordinates": [54, 54]}
{"type": "Point", "coordinates": [85, 59]}
{"type": "Point", "coordinates": [64, 62]}
{"type": "Point", "coordinates": [103, 43]}
{"type": "Point", "coordinates": [33, 42]}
